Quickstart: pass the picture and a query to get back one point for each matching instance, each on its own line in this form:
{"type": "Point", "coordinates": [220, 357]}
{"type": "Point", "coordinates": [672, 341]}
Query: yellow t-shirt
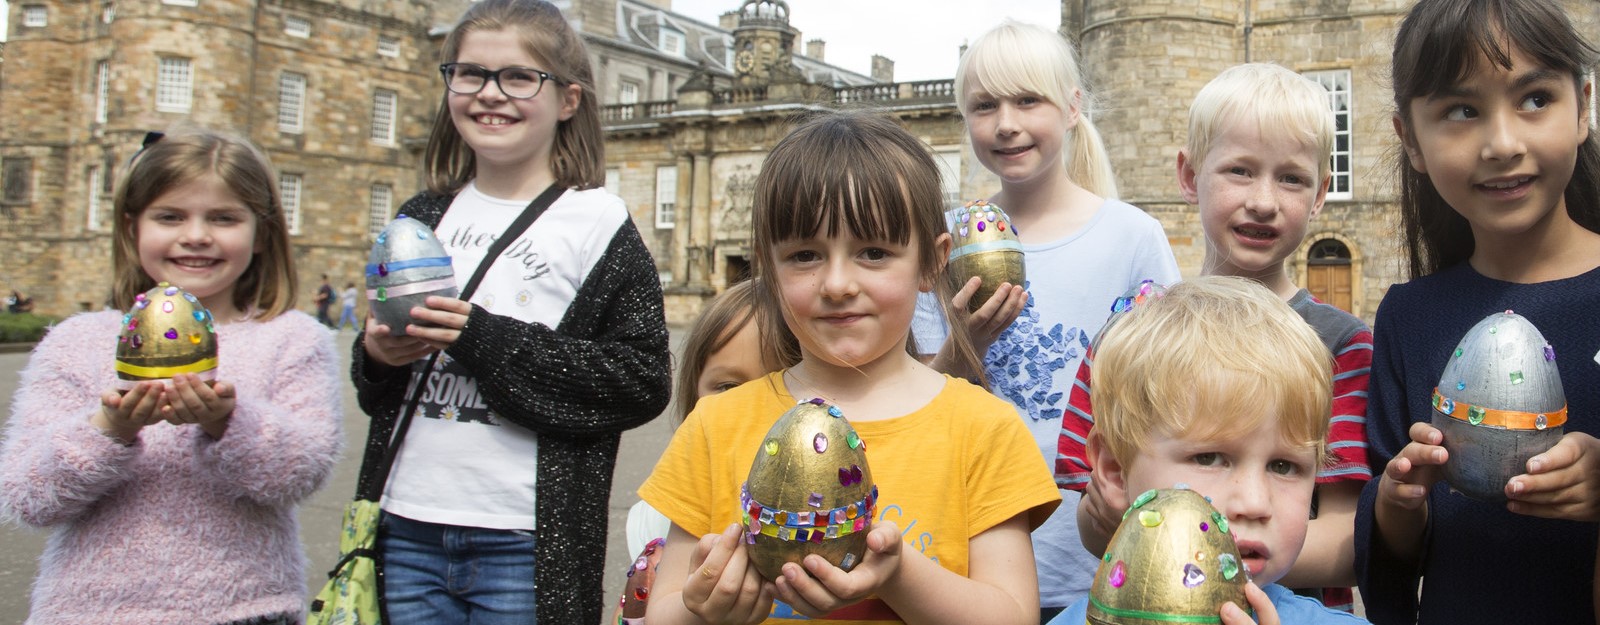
{"type": "Point", "coordinates": [945, 473]}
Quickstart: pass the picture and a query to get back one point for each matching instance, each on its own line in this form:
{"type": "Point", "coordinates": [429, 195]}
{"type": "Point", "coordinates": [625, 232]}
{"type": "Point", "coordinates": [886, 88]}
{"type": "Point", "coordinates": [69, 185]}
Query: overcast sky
{"type": "Point", "coordinates": [923, 37]}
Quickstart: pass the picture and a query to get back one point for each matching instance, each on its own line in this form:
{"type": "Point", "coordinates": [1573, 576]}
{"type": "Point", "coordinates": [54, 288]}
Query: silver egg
{"type": "Point", "coordinates": [1499, 402]}
{"type": "Point", "coordinates": [407, 264]}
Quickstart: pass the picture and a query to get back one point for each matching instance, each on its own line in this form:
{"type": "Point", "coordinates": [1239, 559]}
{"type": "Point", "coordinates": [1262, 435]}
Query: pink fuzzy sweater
{"type": "Point", "coordinates": [177, 528]}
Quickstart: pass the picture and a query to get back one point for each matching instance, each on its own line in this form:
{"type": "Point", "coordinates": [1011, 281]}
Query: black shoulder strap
{"type": "Point", "coordinates": [512, 233]}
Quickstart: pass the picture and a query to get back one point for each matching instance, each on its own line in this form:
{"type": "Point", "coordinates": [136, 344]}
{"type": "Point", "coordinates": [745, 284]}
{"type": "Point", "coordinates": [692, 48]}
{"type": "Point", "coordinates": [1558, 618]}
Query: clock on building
{"type": "Point", "coordinates": [744, 61]}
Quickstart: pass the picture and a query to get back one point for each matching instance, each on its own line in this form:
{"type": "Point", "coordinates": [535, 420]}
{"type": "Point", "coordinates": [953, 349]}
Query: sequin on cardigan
{"type": "Point", "coordinates": [604, 369]}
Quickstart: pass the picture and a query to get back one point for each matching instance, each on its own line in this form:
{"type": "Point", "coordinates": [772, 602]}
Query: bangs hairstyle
{"type": "Point", "coordinates": [1202, 362]}
{"type": "Point", "coordinates": [1439, 44]}
{"type": "Point", "coordinates": [1280, 102]}
{"type": "Point", "coordinates": [855, 172]}
{"type": "Point", "coordinates": [1015, 59]}
{"type": "Point", "coordinates": [267, 287]}
{"type": "Point", "coordinates": [725, 316]}
{"type": "Point", "coordinates": [577, 156]}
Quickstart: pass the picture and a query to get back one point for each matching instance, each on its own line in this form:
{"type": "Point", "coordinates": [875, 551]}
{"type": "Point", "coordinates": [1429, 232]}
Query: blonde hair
{"type": "Point", "coordinates": [267, 287]}
{"type": "Point", "coordinates": [577, 155]}
{"type": "Point", "coordinates": [1201, 362]}
{"type": "Point", "coordinates": [855, 172]}
{"type": "Point", "coordinates": [1280, 103]}
{"type": "Point", "coordinates": [726, 315]}
{"type": "Point", "coordinates": [1016, 58]}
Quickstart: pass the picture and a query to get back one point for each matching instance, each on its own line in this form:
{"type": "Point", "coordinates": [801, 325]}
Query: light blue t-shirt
{"type": "Point", "coordinates": [1292, 608]}
{"type": "Point", "coordinates": [1071, 284]}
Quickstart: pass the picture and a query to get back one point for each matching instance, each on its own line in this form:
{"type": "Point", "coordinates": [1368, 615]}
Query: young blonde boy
{"type": "Point", "coordinates": [1257, 167]}
{"type": "Point", "coordinates": [1223, 388]}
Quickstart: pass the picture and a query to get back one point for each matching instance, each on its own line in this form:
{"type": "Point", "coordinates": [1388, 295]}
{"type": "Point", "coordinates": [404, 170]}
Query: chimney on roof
{"type": "Point", "coordinates": [729, 20]}
{"type": "Point", "coordinates": [882, 68]}
{"type": "Point", "coordinates": [814, 49]}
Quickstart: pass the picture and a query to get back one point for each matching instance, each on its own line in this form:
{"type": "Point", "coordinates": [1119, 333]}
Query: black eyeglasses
{"type": "Point", "coordinates": [518, 83]}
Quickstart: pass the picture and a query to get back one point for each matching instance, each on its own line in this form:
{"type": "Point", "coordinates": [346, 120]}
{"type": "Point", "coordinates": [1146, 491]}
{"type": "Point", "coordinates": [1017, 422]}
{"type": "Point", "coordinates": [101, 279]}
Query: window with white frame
{"type": "Point", "coordinates": [174, 85]}
{"type": "Point", "coordinates": [182, 3]}
{"type": "Point", "coordinates": [93, 200]}
{"type": "Point", "coordinates": [16, 178]}
{"type": "Point", "coordinates": [384, 103]}
{"type": "Point", "coordinates": [1337, 82]}
{"type": "Point", "coordinates": [613, 180]}
{"type": "Point", "coordinates": [388, 46]}
{"type": "Point", "coordinates": [672, 42]}
{"type": "Point", "coordinates": [666, 197]}
{"type": "Point", "coordinates": [108, 13]}
{"type": "Point", "coordinates": [380, 205]}
{"type": "Point", "coordinates": [102, 90]}
{"type": "Point", "coordinates": [35, 16]}
{"type": "Point", "coordinates": [627, 93]}
{"type": "Point", "coordinates": [289, 187]}
{"type": "Point", "coordinates": [291, 102]}
{"type": "Point", "coordinates": [296, 26]}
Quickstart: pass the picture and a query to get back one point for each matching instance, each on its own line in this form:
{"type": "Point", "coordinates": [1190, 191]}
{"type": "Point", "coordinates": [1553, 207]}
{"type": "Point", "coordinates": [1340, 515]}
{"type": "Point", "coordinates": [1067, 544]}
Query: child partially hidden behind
{"type": "Point", "coordinates": [1221, 387]}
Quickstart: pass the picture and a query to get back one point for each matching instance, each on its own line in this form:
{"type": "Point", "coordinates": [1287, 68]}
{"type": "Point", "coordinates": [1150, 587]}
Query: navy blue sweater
{"type": "Point", "coordinates": [1481, 563]}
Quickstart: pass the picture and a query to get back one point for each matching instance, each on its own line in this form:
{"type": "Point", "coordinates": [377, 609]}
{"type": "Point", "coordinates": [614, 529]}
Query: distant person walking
{"type": "Point", "coordinates": [324, 302]}
{"type": "Point", "coordinates": [348, 315]}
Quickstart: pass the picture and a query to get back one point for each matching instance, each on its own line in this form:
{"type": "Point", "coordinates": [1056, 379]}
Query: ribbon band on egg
{"type": "Point", "coordinates": [809, 526]}
{"type": "Point", "coordinates": [1508, 419]}
{"type": "Point", "coordinates": [1154, 616]}
{"type": "Point", "coordinates": [408, 289]}
{"type": "Point", "coordinates": [206, 369]}
{"type": "Point", "coordinates": [985, 246]}
{"type": "Point", "coordinates": [435, 261]}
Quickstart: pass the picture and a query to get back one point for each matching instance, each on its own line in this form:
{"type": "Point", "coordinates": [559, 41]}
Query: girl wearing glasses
{"type": "Point", "coordinates": [502, 482]}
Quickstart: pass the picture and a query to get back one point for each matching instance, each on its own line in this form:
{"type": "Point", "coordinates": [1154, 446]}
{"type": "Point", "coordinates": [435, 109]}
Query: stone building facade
{"type": "Point", "coordinates": [1146, 59]}
{"type": "Point", "coordinates": [339, 93]}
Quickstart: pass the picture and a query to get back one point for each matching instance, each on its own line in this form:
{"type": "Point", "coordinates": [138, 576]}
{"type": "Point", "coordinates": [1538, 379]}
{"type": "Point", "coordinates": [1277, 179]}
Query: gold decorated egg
{"type": "Point", "coordinates": [809, 491]}
{"type": "Point", "coordinates": [1172, 560]}
{"type": "Point", "coordinates": [984, 243]}
{"type": "Point", "coordinates": [167, 332]}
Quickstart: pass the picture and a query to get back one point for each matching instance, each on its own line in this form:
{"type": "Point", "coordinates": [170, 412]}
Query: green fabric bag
{"type": "Point", "coordinates": [351, 595]}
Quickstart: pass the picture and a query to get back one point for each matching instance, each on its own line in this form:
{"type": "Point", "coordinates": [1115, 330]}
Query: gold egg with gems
{"type": "Point", "coordinates": [984, 244]}
{"type": "Point", "coordinates": [167, 332]}
{"type": "Point", "coordinates": [809, 491]}
{"type": "Point", "coordinates": [1172, 560]}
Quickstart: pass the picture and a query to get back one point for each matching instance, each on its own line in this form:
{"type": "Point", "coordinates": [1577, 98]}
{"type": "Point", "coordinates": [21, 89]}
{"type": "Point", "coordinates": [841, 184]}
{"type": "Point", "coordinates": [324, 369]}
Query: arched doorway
{"type": "Point", "coordinates": [1328, 274]}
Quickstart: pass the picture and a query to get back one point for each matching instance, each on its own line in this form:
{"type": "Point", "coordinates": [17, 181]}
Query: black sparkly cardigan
{"type": "Point", "coordinates": [603, 370]}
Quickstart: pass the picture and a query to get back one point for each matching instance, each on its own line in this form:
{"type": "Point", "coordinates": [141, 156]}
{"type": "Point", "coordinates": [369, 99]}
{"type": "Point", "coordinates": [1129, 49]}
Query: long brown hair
{"type": "Point", "coordinates": [1439, 44]}
{"type": "Point", "coordinates": [726, 315]}
{"type": "Point", "coordinates": [577, 156]}
{"type": "Point", "coordinates": [856, 172]}
{"type": "Point", "coordinates": [267, 287]}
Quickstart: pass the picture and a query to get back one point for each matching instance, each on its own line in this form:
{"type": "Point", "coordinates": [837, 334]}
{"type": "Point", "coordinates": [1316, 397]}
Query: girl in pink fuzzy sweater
{"type": "Point", "coordinates": [175, 503]}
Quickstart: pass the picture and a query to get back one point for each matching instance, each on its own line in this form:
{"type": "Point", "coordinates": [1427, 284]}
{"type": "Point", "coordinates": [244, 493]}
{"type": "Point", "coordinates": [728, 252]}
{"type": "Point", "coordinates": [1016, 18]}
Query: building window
{"type": "Point", "coordinates": [174, 85]}
{"type": "Point", "coordinates": [672, 42]}
{"type": "Point", "coordinates": [102, 90]}
{"type": "Point", "coordinates": [35, 16]}
{"type": "Point", "coordinates": [289, 186]}
{"type": "Point", "coordinates": [627, 93]}
{"type": "Point", "coordinates": [182, 3]}
{"type": "Point", "coordinates": [18, 180]}
{"type": "Point", "coordinates": [108, 13]}
{"type": "Point", "coordinates": [666, 197]}
{"type": "Point", "coordinates": [379, 206]}
{"type": "Point", "coordinates": [296, 26]}
{"type": "Point", "coordinates": [1337, 82]}
{"type": "Point", "coordinates": [613, 180]}
{"type": "Point", "coordinates": [388, 46]}
{"type": "Point", "coordinates": [383, 115]}
{"type": "Point", "coordinates": [291, 102]}
{"type": "Point", "coordinates": [95, 184]}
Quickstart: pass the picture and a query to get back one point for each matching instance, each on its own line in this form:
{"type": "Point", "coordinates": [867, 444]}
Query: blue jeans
{"type": "Point", "coordinates": [450, 575]}
{"type": "Point", "coordinates": [348, 315]}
